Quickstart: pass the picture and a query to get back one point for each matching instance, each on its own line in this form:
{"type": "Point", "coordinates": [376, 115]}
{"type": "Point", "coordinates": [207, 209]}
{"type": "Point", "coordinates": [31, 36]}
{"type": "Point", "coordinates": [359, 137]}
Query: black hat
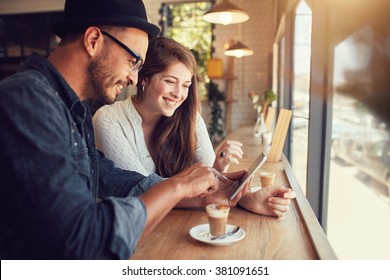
{"type": "Point", "coordinates": [84, 13]}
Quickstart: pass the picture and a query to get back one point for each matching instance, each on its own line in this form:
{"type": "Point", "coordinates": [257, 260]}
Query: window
{"type": "Point", "coordinates": [350, 79]}
{"type": "Point", "coordinates": [358, 223]}
{"type": "Point", "coordinates": [300, 92]}
{"type": "Point", "coordinates": [346, 58]}
{"type": "Point", "coordinates": [292, 60]}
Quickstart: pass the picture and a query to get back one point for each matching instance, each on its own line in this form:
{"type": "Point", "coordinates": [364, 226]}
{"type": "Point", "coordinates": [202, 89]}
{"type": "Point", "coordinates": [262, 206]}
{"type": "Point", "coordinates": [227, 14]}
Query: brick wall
{"type": "Point", "coordinates": [252, 72]}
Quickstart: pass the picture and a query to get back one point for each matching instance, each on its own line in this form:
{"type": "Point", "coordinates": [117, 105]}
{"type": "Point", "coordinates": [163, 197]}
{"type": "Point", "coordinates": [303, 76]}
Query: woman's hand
{"type": "Point", "coordinates": [269, 201]}
{"type": "Point", "coordinates": [229, 152]}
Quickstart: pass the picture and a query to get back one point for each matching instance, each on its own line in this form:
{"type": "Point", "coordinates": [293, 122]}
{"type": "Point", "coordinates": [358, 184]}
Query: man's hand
{"type": "Point", "coordinates": [196, 180]}
{"type": "Point", "coordinates": [226, 184]}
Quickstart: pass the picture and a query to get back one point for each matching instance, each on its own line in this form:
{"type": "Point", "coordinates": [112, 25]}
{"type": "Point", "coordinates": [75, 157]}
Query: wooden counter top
{"type": "Point", "coordinates": [297, 235]}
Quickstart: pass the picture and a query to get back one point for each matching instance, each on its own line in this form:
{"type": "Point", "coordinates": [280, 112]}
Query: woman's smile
{"type": "Point", "coordinates": [170, 102]}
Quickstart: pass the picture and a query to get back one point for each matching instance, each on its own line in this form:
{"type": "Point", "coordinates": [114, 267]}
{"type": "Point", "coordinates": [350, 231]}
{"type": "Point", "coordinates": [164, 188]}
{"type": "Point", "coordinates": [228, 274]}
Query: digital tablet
{"type": "Point", "coordinates": [251, 171]}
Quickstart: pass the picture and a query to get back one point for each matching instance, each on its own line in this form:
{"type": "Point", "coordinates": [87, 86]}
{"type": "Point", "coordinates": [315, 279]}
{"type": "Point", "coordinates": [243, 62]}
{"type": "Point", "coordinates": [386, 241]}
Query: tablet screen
{"type": "Point", "coordinates": [251, 171]}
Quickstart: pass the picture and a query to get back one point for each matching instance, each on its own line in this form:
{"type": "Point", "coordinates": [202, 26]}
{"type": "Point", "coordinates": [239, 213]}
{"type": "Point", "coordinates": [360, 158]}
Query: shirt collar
{"type": "Point", "coordinates": [55, 79]}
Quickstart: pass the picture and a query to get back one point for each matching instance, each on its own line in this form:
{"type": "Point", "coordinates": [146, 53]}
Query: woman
{"type": "Point", "coordinates": [159, 130]}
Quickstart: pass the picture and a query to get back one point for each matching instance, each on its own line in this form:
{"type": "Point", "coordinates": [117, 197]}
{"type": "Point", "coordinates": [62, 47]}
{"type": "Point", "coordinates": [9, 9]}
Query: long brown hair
{"type": "Point", "coordinates": [173, 139]}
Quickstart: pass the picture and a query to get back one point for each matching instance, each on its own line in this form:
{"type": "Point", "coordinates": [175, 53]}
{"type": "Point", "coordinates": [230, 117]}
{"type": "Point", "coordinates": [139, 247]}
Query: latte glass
{"type": "Point", "coordinates": [218, 217]}
{"type": "Point", "coordinates": [267, 179]}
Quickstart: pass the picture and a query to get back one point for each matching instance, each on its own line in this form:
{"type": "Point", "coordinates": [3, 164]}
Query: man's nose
{"type": "Point", "coordinates": [132, 78]}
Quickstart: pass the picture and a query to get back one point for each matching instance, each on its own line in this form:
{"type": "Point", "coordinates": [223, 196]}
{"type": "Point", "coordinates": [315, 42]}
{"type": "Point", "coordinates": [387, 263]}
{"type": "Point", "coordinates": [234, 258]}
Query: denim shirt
{"type": "Point", "coordinates": [59, 197]}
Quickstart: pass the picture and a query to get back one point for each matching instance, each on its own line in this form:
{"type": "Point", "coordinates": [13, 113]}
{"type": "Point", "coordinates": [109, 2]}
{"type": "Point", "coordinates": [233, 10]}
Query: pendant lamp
{"type": "Point", "coordinates": [238, 50]}
{"type": "Point", "coordinates": [225, 13]}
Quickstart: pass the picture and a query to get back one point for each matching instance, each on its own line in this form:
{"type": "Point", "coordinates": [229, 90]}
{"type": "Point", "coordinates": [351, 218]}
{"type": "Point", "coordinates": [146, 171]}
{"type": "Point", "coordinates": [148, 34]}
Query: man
{"type": "Point", "coordinates": [50, 171]}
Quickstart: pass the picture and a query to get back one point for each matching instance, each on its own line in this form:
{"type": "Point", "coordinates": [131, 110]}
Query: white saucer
{"type": "Point", "coordinates": [201, 233]}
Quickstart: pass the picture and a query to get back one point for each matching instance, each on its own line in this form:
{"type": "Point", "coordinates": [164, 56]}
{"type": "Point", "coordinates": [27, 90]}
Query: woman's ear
{"type": "Point", "coordinates": [144, 82]}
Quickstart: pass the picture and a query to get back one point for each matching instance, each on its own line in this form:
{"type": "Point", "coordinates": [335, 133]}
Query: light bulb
{"type": "Point", "coordinates": [225, 18]}
{"type": "Point", "coordinates": [238, 53]}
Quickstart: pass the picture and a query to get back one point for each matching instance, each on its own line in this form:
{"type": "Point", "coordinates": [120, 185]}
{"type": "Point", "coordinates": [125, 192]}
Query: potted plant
{"type": "Point", "coordinates": [261, 106]}
{"type": "Point", "coordinates": [269, 97]}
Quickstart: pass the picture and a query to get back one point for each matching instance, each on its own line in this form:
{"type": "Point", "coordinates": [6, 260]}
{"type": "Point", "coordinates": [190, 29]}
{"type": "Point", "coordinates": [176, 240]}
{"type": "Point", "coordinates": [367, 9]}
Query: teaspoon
{"type": "Point", "coordinates": [233, 232]}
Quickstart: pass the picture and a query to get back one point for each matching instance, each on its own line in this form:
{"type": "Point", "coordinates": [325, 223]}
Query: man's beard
{"type": "Point", "coordinates": [99, 79]}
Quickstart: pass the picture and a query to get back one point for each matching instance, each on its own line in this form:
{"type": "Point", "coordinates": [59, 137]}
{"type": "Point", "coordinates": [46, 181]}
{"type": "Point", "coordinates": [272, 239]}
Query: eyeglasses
{"type": "Point", "coordinates": [135, 64]}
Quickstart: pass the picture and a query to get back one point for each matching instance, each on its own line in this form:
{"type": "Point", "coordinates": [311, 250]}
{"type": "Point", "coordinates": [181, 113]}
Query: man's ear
{"type": "Point", "coordinates": [93, 40]}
